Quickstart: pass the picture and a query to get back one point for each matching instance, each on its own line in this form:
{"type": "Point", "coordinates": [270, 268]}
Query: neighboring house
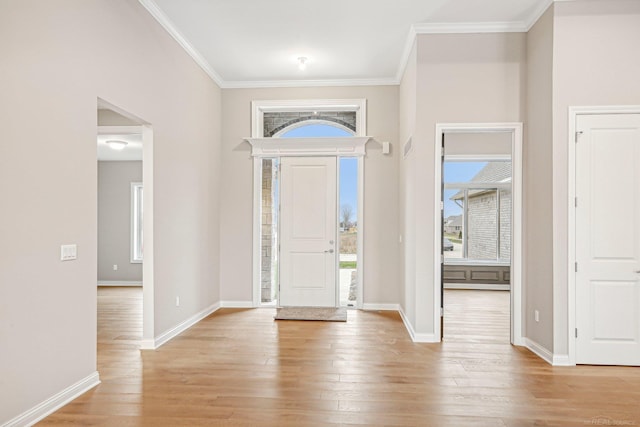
{"type": "Point", "coordinates": [482, 237]}
{"type": "Point", "coordinates": [453, 224]}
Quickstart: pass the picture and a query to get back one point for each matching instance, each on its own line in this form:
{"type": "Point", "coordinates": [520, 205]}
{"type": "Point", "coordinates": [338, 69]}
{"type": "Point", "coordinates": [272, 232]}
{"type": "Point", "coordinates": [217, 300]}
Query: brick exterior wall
{"type": "Point", "coordinates": [275, 122]}
{"type": "Point", "coordinates": [481, 232]}
{"type": "Point", "coordinates": [505, 225]}
{"type": "Point", "coordinates": [481, 238]}
{"type": "Point", "coordinates": [268, 233]}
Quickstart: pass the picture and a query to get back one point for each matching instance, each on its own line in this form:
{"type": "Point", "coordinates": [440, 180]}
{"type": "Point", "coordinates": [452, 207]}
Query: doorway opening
{"type": "Point", "coordinates": [345, 197]}
{"type": "Point", "coordinates": [479, 203]}
{"type": "Point", "coordinates": [476, 241]}
{"type": "Point", "coordinates": [284, 134]}
{"type": "Point", "coordinates": [125, 228]}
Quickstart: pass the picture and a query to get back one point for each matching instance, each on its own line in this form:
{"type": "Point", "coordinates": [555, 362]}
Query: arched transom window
{"type": "Point", "coordinates": [339, 118]}
{"type": "Point", "coordinates": [314, 129]}
{"type": "Point", "coordinates": [283, 124]}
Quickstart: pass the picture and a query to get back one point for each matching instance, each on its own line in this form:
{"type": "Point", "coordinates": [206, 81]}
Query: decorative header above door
{"type": "Point", "coordinates": [280, 147]}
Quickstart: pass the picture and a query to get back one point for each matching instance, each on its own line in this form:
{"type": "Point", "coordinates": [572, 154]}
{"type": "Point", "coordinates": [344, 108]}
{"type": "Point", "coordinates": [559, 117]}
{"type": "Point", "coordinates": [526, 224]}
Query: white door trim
{"type": "Point", "coordinates": [305, 147]}
{"type": "Point", "coordinates": [148, 293]}
{"type": "Point", "coordinates": [257, 216]}
{"type": "Point", "coordinates": [574, 112]}
{"type": "Point", "coordinates": [356, 147]}
{"type": "Point", "coordinates": [516, 247]}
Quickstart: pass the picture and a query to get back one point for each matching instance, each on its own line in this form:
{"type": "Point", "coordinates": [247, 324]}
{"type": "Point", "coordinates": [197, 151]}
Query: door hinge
{"type": "Point", "coordinates": [576, 332]}
{"type": "Point", "coordinates": [441, 312]}
{"type": "Point", "coordinates": [576, 267]}
{"type": "Point", "coordinates": [441, 205]}
{"type": "Point", "coordinates": [575, 202]}
{"type": "Point", "coordinates": [578, 134]}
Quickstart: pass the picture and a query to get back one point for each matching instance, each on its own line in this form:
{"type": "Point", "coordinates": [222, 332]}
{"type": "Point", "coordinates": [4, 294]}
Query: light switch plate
{"type": "Point", "coordinates": [386, 147]}
{"type": "Point", "coordinates": [68, 252]}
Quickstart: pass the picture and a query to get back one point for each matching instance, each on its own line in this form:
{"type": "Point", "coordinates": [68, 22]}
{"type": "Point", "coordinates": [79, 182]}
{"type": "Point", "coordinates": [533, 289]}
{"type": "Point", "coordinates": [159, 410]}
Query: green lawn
{"type": "Point", "coordinates": [348, 264]}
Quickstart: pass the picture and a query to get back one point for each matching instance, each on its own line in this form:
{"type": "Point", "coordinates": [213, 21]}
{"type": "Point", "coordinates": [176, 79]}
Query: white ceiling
{"type": "Point", "coordinates": [255, 43]}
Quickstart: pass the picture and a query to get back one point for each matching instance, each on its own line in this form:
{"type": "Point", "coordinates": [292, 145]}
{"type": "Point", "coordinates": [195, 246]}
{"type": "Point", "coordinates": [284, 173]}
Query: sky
{"type": "Point", "coordinates": [348, 165]}
{"type": "Point", "coordinates": [458, 172]}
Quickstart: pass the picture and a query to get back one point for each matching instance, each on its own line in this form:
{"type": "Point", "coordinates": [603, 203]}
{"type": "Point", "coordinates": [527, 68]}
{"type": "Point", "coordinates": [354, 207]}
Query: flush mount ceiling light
{"type": "Point", "coordinates": [302, 62]}
{"type": "Point", "coordinates": [116, 144]}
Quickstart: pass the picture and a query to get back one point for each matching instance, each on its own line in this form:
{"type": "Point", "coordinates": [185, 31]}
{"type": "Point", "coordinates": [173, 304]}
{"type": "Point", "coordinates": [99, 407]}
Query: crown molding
{"type": "Point", "coordinates": [455, 28]}
{"type": "Point", "coordinates": [166, 23]}
{"type": "Point", "coordinates": [414, 31]}
{"type": "Point", "coordinates": [538, 12]}
{"type": "Point", "coordinates": [470, 27]}
{"type": "Point", "coordinates": [249, 84]}
{"type": "Point", "coordinates": [170, 27]}
{"type": "Point", "coordinates": [406, 53]}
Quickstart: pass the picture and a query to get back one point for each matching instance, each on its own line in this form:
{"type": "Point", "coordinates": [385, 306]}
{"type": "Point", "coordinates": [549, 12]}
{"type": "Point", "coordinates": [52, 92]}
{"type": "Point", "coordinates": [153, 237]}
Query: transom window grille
{"type": "Point", "coordinates": [274, 123]}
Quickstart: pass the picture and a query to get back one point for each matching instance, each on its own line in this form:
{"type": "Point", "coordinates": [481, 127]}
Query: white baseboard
{"type": "Point", "coordinates": [562, 360]}
{"type": "Point", "coordinates": [519, 341]}
{"type": "Point", "coordinates": [148, 344]}
{"type": "Point", "coordinates": [415, 337]}
{"type": "Point", "coordinates": [55, 402]}
{"type": "Point", "coordinates": [381, 307]}
{"type": "Point", "coordinates": [236, 304]}
{"type": "Point", "coordinates": [119, 282]}
{"type": "Point", "coordinates": [539, 350]}
{"type": "Point", "coordinates": [478, 286]}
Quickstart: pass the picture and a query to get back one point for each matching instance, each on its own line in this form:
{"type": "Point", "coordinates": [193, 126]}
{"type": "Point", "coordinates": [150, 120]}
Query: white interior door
{"type": "Point", "coordinates": [608, 239]}
{"type": "Point", "coordinates": [308, 223]}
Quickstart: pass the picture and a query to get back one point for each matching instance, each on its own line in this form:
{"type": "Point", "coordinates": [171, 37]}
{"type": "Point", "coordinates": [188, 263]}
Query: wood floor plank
{"type": "Point", "coordinates": [239, 367]}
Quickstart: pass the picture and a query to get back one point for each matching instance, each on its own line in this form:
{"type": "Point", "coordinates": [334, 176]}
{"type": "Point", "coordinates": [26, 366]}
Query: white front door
{"type": "Point", "coordinates": [608, 239]}
{"type": "Point", "coordinates": [308, 226]}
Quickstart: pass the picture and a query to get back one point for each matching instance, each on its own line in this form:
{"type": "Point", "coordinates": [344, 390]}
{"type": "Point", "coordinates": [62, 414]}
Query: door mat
{"type": "Point", "coordinates": [327, 314]}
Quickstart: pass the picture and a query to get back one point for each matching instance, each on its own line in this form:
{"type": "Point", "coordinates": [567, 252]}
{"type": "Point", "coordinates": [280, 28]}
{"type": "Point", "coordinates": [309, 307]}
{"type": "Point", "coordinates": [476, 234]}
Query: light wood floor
{"type": "Point", "coordinates": [482, 317]}
{"type": "Point", "coordinates": [241, 368]}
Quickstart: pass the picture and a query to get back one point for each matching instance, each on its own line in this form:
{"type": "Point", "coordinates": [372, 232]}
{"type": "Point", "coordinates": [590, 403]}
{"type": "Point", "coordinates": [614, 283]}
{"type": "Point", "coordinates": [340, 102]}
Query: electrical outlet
{"type": "Point", "coordinates": [115, 267]}
{"type": "Point", "coordinates": [536, 315]}
{"type": "Point", "coordinates": [177, 301]}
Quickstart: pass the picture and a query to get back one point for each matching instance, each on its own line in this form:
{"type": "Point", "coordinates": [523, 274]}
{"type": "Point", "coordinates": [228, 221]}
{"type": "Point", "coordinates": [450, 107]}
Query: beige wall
{"type": "Point", "coordinates": [406, 193]}
{"type": "Point", "coordinates": [595, 62]}
{"type": "Point", "coordinates": [478, 144]}
{"type": "Point", "coordinates": [537, 177]}
{"type": "Point", "coordinates": [380, 186]}
{"type": "Point", "coordinates": [114, 221]}
{"type": "Point", "coordinates": [57, 59]}
{"type": "Point", "coordinates": [460, 78]}
{"type": "Point", "coordinates": [111, 118]}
